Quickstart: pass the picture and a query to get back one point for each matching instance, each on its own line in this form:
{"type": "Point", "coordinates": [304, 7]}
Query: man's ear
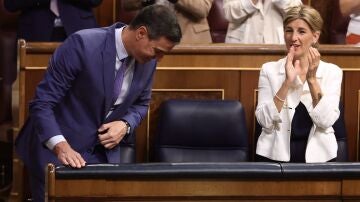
{"type": "Point", "coordinates": [141, 33]}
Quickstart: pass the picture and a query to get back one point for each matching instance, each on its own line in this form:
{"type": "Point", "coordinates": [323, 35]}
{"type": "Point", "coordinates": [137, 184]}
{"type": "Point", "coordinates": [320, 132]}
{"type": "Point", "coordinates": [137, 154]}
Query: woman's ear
{"type": "Point", "coordinates": [316, 37]}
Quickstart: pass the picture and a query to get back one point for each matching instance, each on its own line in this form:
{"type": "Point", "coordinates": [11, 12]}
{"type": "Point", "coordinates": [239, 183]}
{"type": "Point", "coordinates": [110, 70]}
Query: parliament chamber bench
{"type": "Point", "coordinates": [245, 181]}
{"type": "Point", "coordinates": [210, 71]}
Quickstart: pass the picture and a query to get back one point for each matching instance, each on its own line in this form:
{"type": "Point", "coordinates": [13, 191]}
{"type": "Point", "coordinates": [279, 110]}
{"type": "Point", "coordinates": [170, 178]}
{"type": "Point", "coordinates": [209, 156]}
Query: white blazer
{"type": "Point", "coordinates": [256, 24]}
{"type": "Point", "coordinates": [274, 141]}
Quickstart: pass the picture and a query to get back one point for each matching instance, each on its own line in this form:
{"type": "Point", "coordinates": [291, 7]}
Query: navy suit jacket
{"type": "Point", "coordinates": [76, 94]}
{"type": "Point", "coordinates": [36, 20]}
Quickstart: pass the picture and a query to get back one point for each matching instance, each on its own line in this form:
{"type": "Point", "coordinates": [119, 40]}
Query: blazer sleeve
{"type": "Point", "coordinates": [266, 112]}
{"type": "Point", "coordinates": [138, 110]}
{"type": "Point", "coordinates": [237, 11]}
{"type": "Point", "coordinates": [326, 112]}
{"type": "Point", "coordinates": [284, 5]}
{"type": "Point", "coordinates": [63, 68]}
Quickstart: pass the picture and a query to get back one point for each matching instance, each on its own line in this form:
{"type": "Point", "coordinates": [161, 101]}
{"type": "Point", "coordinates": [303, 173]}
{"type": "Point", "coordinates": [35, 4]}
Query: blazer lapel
{"type": "Point", "coordinates": [108, 57]}
{"type": "Point", "coordinates": [108, 74]}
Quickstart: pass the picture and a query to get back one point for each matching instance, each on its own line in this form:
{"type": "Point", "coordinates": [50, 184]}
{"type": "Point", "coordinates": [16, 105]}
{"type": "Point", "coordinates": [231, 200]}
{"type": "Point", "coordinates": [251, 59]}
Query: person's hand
{"type": "Point", "coordinates": [314, 60]}
{"type": "Point", "coordinates": [68, 156]}
{"type": "Point", "coordinates": [255, 1]}
{"type": "Point", "coordinates": [292, 68]}
{"type": "Point", "coordinates": [110, 134]}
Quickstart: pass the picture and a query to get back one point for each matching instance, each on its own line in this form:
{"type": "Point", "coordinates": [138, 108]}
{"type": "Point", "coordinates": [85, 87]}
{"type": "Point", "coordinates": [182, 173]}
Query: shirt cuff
{"type": "Point", "coordinates": [54, 140]}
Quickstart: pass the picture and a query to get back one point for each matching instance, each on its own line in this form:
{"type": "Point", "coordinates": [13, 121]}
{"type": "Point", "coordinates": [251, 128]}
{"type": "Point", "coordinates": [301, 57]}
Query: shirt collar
{"type": "Point", "coordinates": [120, 49]}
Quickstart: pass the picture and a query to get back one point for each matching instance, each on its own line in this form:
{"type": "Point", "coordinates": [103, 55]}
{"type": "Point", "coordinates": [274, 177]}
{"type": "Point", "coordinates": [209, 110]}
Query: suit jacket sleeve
{"type": "Point", "coordinates": [138, 110]}
{"type": "Point", "coordinates": [64, 66]}
{"type": "Point", "coordinates": [266, 112]}
{"type": "Point", "coordinates": [326, 112]}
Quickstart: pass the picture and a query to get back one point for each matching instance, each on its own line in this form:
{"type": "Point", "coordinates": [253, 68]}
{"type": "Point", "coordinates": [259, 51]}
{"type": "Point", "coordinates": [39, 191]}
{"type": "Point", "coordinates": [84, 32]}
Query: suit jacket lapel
{"type": "Point", "coordinates": [108, 56]}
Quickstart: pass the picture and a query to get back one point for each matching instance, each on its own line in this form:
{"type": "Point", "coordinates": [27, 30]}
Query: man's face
{"type": "Point", "coordinates": [147, 49]}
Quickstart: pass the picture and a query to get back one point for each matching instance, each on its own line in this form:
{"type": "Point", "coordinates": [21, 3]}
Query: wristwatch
{"type": "Point", "coordinates": [128, 128]}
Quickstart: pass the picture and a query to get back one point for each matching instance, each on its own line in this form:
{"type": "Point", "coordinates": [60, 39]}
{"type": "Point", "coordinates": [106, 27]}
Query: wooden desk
{"type": "Point", "coordinates": [202, 182]}
{"type": "Point", "coordinates": [216, 71]}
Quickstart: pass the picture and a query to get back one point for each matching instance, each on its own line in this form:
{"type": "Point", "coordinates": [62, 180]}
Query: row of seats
{"type": "Point", "coordinates": [209, 131]}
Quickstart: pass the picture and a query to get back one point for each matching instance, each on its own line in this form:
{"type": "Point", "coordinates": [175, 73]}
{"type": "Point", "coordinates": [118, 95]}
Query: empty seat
{"type": "Point", "coordinates": [201, 131]}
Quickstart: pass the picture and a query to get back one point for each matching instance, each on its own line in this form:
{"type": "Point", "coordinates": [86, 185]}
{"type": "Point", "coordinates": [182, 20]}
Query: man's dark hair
{"type": "Point", "coordinates": [159, 21]}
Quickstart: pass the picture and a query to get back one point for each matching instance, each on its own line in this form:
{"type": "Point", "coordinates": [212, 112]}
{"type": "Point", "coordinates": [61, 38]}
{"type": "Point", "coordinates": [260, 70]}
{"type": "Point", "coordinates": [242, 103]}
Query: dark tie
{"type": "Point", "coordinates": [120, 77]}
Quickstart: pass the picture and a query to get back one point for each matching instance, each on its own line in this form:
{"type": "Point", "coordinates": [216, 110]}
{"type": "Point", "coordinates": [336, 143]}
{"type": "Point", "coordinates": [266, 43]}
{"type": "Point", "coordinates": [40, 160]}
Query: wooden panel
{"type": "Point", "coordinates": [351, 188]}
{"type": "Point", "coordinates": [162, 187]}
{"type": "Point", "coordinates": [201, 72]}
{"type": "Point", "coordinates": [105, 13]}
{"type": "Point", "coordinates": [232, 68]}
{"type": "Point", "coordinates": [351, 84]}
{"type": "Point", "coordinates": [197, 188]}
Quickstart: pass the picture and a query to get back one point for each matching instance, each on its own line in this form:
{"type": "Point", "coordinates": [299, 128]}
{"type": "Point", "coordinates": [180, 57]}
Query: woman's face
{"type": "Point", "coordinates": [298, 34]}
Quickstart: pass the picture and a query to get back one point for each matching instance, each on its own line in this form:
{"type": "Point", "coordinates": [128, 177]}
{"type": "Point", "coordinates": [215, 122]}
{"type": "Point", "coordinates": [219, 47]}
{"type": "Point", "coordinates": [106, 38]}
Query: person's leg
{"type": "Point", "coordinates": [37, 185]}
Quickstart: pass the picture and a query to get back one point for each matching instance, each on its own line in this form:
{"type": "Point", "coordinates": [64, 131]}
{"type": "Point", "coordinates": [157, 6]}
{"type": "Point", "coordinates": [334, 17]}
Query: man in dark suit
{"type": "Point", "coordinates": [75, 117]}
{"type": "Point", "coordinates": [52, 20]}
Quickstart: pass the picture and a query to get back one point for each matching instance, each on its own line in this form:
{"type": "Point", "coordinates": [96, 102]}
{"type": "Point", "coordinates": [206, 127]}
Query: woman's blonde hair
{"type": "Point", "coordinates": [311, 16]}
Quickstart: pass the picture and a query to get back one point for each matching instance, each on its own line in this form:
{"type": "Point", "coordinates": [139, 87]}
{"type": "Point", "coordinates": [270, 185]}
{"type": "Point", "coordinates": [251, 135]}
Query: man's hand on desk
{"type": "Point", "coordinates": [68, 156]}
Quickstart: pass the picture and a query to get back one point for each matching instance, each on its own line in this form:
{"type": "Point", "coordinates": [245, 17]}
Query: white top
{"type": "Point", "coordinates": [274, 141]}
{"type": "Point", "coordinates": [354, 24]}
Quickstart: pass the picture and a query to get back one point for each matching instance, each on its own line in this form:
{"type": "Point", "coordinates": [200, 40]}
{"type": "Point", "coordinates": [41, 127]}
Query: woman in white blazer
{"type": "Point", "coordinates": [299, 88]}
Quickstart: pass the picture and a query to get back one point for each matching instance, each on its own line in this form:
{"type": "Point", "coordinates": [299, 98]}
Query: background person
{"type": "Point", "coordinates": [52, 20]}
{"type": "Point", "coordinates": [256, 21]}
{"type": "Point", "coordinates": [351, 8]}
{"type": "Point", "coordinates": [192, 16]}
